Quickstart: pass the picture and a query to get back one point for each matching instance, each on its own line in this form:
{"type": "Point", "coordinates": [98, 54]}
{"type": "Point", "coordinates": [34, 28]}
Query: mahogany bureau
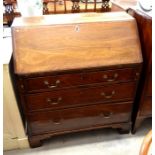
{"type": "Point", "coordinates": [75, 72]}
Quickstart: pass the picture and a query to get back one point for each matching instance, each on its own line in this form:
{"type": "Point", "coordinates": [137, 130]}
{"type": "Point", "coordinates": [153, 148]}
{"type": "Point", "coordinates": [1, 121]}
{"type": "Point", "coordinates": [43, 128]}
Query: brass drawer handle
{"type": "Point", "coordinates": [106, 114]}
{"type": "Point", "coordinates": [137, 76]}
{"type": "Point", "coordinates": [48, 100]}
{"type": "Point", "coordinates": [57, 123]}
{"type": "Point", "coordinates": [108, 96]}
{"type": "Point", "coordinates": [52, 86]}
{"type": "Point", "coordinates": [105, 76]}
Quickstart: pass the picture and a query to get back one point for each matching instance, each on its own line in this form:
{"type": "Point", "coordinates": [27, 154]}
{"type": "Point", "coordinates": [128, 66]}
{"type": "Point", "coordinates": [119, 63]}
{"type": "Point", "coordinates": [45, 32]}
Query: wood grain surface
{"type": "Point", "coordinates": [70, 19]}
{"type": "Point", "coordinates": [81, 41]}
{"type": "Point", "coordinates": [80, 96]}
{"type": "Point", "coordinates": [84, 117]}
{"type": "Point", "coordinates": [48, 83]}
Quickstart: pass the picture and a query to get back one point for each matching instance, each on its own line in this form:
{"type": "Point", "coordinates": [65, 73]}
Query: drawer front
{"type": "Point", "coordinates": [78, 118]}
{"type": "Point", "coordinates": [77, 79]}
{"type": "Point", "coordinates": [146, 108]}
{"type": "Point", "coordinates": [80, 96]}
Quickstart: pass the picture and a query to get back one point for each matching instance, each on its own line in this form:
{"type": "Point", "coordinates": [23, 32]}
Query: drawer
{"type": "Point", "coordinates": [77, 79]}
{"type": "Point", "coordinates": [146, 108]}
{"type": "Point", "coordinates": [78, 118]}
{"type": "Point", "coordinates": [80, 96]}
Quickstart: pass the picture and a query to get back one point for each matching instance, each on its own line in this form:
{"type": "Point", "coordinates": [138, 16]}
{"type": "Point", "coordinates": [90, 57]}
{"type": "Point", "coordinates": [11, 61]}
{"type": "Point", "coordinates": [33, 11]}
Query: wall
{"type": "Point", "coordinates": [13, 131]}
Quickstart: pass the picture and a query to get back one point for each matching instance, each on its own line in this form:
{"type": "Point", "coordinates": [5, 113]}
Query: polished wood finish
{"type": "Point", "coordinates": [146, 109]}
{"type": "Point", "coordinates": [47, 83]}
{"type": "Point", "coordinates": [84, 84]}
{"type": "Point", "coordinates": [80, 96]}
{"type": "Point", "coordinates": [149, 86]}
{"type": "Point", "coordinates": [143, 105]}
{"type": "Point", "coordinates": [78, 118]}
{"type": "Point", "coordinates": [47, 53]}
{"type": "Point", "coordinates": [61, 19]}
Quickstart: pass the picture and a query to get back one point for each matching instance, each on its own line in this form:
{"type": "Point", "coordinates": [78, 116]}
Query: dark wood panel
{"type": "Point", "coordinates": [83, 78]}
{"type": "Point", "coordinates": [149, 86]}
{"type": "Point", "coordinates": [81, 117]}
{"type": "Point", "coordinates": [76, 97]}
{"type": "Point", "coordinates": [142, 108]}
{"type": "Point", "coordinates": [146, 107]}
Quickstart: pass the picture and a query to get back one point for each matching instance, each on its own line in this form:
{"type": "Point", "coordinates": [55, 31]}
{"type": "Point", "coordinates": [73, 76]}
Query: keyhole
{"type": "Point", "coordinates": [77, 28]}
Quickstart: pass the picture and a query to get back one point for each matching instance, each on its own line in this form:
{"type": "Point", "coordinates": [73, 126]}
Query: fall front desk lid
{"type": "Point", "coordinates": [74, 41]}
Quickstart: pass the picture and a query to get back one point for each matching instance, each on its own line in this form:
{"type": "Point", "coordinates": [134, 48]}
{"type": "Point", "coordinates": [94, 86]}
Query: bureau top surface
{"type": "Point", "coordinates": [74, 41]}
